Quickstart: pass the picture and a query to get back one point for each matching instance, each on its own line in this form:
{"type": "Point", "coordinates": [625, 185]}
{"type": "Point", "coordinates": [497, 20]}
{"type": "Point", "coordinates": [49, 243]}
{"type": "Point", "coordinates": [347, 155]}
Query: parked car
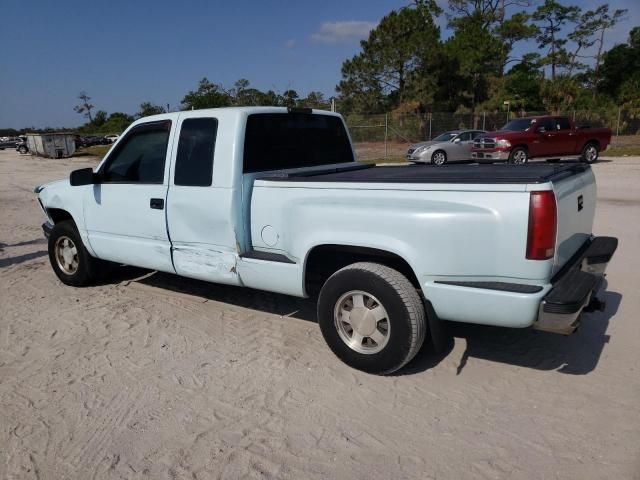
{"type": "Point", "coordinates": [9, 142]}
{"type": "Point", "coordinates": [453, 145]}
{"type": "Point", "coordinates": [546, 137]}
{"type": "Point", "coordinates": [112, 138]}
{"type": "Point", "coordinates": [89, 141]}
{"type": "Point", "coordinates": [293, 212]}
{"type": "Point", "coordinates": [22, 146]}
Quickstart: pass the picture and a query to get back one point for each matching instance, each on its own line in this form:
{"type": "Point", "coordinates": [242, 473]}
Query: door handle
{"type": "Point", "coordinates": [156, 203]}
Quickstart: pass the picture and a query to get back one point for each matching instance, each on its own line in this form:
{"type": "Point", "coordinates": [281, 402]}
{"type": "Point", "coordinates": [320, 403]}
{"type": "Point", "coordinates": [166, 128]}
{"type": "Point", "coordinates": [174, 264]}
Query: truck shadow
{"type": "Point", "coordinates": [577, 354]}
{"type": "Point", "coordinates": [273, 303]}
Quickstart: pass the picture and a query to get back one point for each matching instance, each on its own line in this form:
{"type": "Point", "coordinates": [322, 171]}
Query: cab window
{"type": "Point", "coordinates": [140, 157]}
{"type": "Point", "coordinates": [194, 162]}
{"type": "Point", "coordinates": [563, 123]}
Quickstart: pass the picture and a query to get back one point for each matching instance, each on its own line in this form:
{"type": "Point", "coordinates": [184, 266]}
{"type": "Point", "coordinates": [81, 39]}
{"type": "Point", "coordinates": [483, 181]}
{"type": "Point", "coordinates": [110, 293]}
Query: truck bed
{"type": "Point", "coordinates": [471, 174]}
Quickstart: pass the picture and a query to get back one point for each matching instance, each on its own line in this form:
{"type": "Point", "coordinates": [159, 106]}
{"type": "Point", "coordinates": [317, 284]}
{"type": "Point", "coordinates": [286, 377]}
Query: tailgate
{"type": "Point", "coordinates": [576, 201]}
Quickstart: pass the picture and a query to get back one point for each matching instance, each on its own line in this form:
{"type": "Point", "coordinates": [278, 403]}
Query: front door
{"type": "Point", "coordinates": [125, 211]}
{"type": "Point", "coordinates": [461, 148]}
{"type": "Point", "coordinates": [544, 143]}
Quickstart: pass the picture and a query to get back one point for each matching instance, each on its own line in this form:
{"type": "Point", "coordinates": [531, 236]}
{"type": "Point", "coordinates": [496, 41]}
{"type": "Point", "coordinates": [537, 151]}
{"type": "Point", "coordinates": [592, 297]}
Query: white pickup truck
{"type": "Point", "coordinates": [273, 199]}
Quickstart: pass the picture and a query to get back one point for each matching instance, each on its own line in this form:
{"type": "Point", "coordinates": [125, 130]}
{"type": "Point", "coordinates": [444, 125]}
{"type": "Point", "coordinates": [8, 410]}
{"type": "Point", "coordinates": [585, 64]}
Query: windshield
{"type": "Point", "coordinates": [518, 125]}
{"type": "Point", "coordinates": [445, 137]}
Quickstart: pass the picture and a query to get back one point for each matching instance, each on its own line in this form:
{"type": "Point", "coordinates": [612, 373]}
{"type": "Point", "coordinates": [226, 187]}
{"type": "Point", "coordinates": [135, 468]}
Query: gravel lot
{"type": "Point", "coordinates": [153, 376]}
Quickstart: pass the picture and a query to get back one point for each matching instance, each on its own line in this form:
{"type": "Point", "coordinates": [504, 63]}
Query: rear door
{"type": "Point", "coordinates": [566, 137]}
{"type": "Point", "coordinates": [125, 212]}
{"type": "Point", "coordinates": [199, 208]}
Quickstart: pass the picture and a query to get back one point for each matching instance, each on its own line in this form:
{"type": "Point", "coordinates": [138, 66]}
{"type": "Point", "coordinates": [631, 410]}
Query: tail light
{"type": "Point", "coordinates": [541, 236]}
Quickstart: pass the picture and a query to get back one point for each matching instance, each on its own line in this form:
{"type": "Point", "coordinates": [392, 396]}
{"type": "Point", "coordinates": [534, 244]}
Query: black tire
{"type": "Point", "coordinates": [517, 154]}
{"type": "Point", "coordinates": [87, 268]}
{"type": "Point", "coordinates": [406, 318]}
{"type": "Point", "coordinates": [590, 153]}
{"type": "Point", "coordinates": [23, 149]}
{"type": "Point", "coordinates": [439, 157]}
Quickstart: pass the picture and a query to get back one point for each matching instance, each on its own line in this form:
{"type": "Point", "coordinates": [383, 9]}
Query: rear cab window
{"type": "Point", "coordinates": [563, 123]}
{"type": "Point", "coordinates": [196, 147]}
{"type": "Point", "coordinates": [277, 141]}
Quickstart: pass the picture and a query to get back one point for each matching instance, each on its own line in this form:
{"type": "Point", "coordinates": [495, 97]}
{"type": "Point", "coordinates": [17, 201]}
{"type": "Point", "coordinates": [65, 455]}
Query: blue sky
{"type": "Point", "coordinates": [126, 52]}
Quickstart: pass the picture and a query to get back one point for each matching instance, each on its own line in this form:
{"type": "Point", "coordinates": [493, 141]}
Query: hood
{"type": "Point", "coordinates": [424, 144]}
{"type": "Point", "coordinates": [500, 134]}
{"type": "Point", "coordinates": [51, 185]}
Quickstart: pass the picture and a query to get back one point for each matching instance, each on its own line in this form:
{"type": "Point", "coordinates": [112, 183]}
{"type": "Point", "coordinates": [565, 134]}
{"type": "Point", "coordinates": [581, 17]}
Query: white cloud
{"type": "Point", "coordinates": [342, 32]}
{"type": "Point", "coordinates": [291, 43]}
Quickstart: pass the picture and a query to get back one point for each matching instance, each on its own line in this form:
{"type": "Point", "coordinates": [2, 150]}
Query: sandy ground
{"type": "Point", "coordinates": [152, 376]}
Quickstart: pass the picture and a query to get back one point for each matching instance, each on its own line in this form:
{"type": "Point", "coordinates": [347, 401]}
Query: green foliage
{"type": "Point", "coordinates": [85, 105]}
{"type": "Point", "coordinates": [551, 17]}
{"type": "Point", "coordinates": [395, 62]}
{"type": "Point", "coordinates": [208, 95]}
{"type": "Point", "coordinates": [147, 109]}
{"type": "Point", "coordinates": [100, 118]}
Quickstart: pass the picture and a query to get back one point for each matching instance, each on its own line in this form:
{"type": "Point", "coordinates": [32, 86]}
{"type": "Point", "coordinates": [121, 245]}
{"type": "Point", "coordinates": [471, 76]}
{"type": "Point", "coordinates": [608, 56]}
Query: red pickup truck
{"type": "Point", "coordinates": [540, 137]}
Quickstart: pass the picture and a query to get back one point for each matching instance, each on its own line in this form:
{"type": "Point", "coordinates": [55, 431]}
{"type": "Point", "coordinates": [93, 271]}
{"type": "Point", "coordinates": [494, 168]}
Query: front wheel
{"type": "Point", "coordinates": [439, 157]}
{"type": "Point", "coordinates": [371, 317]}
{"type": "Point", "coordinates": [590, 153]}
{"type": "Point", "coordinates": [69, 259]}
{"type": "Point", "coordinates": [519, 156]}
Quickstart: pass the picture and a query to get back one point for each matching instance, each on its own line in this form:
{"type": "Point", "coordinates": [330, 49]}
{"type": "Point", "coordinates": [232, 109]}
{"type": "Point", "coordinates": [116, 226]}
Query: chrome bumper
{"type": "Point", "coordinates": [490, 156]}
{"type": "Point", "coordinates": [575, 288]}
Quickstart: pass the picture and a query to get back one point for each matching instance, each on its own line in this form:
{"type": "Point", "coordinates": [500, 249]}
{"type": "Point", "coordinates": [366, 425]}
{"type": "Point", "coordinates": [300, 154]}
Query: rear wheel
{"type": "Point", "coordinates": [519, 156]}
{"type": "Point", "coordinates": [23, 149]}
{"type": "Point", "coordinates": [439, 157]}
{"type": "Point", "coordinates": [371, 317]}
{"type": "Point", "coordinates": [590, 153]}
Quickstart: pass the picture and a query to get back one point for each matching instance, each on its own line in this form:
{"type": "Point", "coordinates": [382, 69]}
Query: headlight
{"type": "Point", "coordinates": [420, 149]}
{"type": "Point", "coordinates": [503, 143]}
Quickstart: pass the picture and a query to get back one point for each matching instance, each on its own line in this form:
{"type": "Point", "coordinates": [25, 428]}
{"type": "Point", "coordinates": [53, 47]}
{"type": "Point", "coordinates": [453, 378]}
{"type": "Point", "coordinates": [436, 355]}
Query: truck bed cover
{"type": "Point", "coordinates": [465, 173]}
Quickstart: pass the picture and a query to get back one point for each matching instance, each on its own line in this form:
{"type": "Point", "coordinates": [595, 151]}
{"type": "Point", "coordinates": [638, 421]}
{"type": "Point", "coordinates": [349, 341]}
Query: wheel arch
{"type": "Point", "coordinates": [520, 145]}
{"type": "Point", "coordinates": [58, 215]}
{"type": "Point", "coordinates": [324, 260]}
{"type": "Point", "coordinates": [590, 141]}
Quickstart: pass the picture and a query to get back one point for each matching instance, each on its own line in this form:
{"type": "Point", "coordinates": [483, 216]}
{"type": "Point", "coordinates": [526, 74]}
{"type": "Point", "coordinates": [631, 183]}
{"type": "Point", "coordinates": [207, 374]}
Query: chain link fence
{"type": "Point", "coordinates": [386, 136]}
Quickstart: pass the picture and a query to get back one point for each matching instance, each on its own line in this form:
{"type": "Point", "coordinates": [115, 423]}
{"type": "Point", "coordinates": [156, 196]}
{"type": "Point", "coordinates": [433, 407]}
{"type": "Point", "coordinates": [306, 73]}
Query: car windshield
{"type": "Point", "coordinates": [518, 125]}
{"type": "Point", "coordinates": [445, 137]}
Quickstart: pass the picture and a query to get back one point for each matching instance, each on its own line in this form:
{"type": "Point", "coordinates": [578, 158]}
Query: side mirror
{"type": "Point", "coordinates": [456, 140]}
{"type": "Point", "coordinates": [83, 176]}
{"type": "Point", "coordinates": [541, 130]}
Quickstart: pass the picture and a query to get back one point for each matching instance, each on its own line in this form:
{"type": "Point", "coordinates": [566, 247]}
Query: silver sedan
{"type": "Point", "coordinates": [453, 145]}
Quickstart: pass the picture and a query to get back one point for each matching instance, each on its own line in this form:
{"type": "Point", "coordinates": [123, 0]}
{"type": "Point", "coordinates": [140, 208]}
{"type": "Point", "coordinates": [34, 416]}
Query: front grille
{"type": "Point", "coordinates": [484, 143]}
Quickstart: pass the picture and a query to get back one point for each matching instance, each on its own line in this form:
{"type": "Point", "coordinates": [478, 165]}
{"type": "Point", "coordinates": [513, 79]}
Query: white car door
{"type": "Point", "coordinates": [124, 212]}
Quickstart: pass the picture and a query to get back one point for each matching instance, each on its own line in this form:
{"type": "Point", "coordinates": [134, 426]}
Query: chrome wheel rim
{"type": "Point", "coordinates": [362, 322]}
{"type": "Point", "coordinates": [591, 153]}
{"type": "Point", "coordinates": [66, 255]}
{"type": "Point", "coordinates": [520, 157]}
{"type": "Point", "coordinates": [439, 158]}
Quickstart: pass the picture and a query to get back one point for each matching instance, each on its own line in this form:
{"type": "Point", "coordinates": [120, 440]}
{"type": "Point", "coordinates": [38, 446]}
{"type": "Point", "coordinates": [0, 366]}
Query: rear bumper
{"type": "Point", "coordinates": [575, 288]}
